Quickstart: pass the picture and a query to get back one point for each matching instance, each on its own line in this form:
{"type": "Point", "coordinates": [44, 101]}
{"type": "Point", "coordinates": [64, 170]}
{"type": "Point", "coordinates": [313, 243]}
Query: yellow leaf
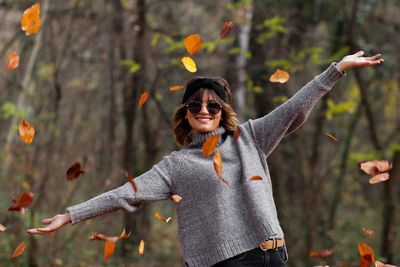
{"type": "Point", "coordinates": [176, 198]}
{"type": "Point", "coordinates": [189, 64]}
{"type": "Point", "coordinates": [30, 22]}
{"type": "Point", "coordinates": [279, 76]}
{"type": "Point", "coordinates": [141, 248]}
{"type": "Point", "coordinates": [193, 43]}
{"type": "Point", "coordinates": [26, 131]}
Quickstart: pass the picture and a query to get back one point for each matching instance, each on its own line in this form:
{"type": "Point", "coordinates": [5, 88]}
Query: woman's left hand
{"type": "Point", "coordinates": [357, 59]}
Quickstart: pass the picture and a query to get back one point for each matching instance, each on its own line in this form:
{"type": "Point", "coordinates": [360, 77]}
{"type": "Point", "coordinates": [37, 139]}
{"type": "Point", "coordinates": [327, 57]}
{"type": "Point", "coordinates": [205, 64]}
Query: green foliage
{"type": "Point", "coordinates": [279, 99]}
{"type": "Point", "coordinates": [356, 157]}
{"type": "Point", "coordinates": [232, 6]}
{"type": "Point", "coordinates": [210, 46]}
{"type": "Point", "coordinates": [271, 27]}
{"type": "Point", "coordinates": [238, 50]}
{"type": "Point", "coordinates": [8, 110]}
{"type": "Point", "coordinates": [340, 108]}
{"type": "Point", "coordinates": [133, 65]}
{"type": "Point", "coordinates": [45, 70]}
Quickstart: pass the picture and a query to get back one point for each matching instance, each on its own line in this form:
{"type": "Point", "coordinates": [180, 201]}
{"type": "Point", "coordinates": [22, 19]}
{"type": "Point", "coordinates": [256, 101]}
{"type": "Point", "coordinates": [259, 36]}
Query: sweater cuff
{"type": "Point", "coordinates": [330, 76]}
{"type": "Point", "coordinates": [80, 212]}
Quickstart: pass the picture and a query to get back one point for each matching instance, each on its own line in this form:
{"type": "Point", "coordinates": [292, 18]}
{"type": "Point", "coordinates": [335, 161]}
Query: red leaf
{"type": "Point", "coordinates": [226, 29]}
{"type": "Point", "coordinates": [236, 135]}
{"type": "Point", "coordinates": [74, 171]}
{"type": "Point", "coordinates": [368, 232]}
{"type": "Point", "coordinates": [254, 178]}
{"type": "Point", "coordinates": [325, 253]}
{"type": "Point", "coordinates": [162, 218]}
{"type": "Point", "coordinates": [24, 201]}
{"type": "Point", "coordinates": [131, 181]}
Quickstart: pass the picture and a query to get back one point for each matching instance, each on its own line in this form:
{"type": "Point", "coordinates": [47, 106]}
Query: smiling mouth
{"type": "Point", "coordinates": [203, 119]}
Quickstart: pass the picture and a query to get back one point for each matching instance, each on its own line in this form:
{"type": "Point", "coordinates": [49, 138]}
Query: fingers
{"type": "Point", "coordinates": [359, 53]}
{"type": "Point", "coordinates": [38, 231]}
{"type": "Point", "coordinates": [47, 221]}
{"type": "Point", "coordinates": [374, 57]}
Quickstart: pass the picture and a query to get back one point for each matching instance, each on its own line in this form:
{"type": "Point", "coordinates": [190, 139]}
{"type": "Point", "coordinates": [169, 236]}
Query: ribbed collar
{"type": "Point", "coordinates": [199, 138]}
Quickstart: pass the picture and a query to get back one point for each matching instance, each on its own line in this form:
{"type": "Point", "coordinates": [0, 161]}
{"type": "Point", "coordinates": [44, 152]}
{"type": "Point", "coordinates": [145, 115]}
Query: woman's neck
{"type": "Point", "coordinates": [199, 138]}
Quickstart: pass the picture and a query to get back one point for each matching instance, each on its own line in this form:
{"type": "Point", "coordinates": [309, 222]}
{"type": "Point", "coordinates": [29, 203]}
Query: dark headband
{"type": "Point", "coordinates": [204, 83]}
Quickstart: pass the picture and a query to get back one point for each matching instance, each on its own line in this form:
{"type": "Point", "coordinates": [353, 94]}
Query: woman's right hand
{"type": "Point", "coordinates": [53, 224]}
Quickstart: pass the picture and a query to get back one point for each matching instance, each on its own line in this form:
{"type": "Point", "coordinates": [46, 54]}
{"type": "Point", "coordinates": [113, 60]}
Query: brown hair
{"type": "Point", "coordinates": [181, 126]}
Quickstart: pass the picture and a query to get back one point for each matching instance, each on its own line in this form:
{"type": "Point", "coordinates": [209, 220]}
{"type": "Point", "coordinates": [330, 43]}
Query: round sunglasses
{"type": "Point", "coordinates": [195, 107]}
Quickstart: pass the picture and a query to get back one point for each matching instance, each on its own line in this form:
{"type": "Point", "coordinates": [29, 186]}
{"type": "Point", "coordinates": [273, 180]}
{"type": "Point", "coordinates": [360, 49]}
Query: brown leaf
{"type": "Point", "coordinates": [131, 181]}
{"type": "Point", "coordinates": [226, 29]}
{"type": "Point", "coordinates": [31, 22]}
{"type": "Point", "coordinates": [218, 163]}
{"type": "Point", "coordinates": [210, 144]}
{"type": "Point", "coordinates": [141, 248]}
{"type": "Point", "coordinates": [178, 87]}
{"type": "Point", "coordinates": [325, 253]}
{"type": "Point", "coordinates": [162, 218]}
{"type": "Point", "coordinates": [124, 235]}
{"type": "Point", "coordinates": [236, 135]}
{"type": "Point", "coordinates": [193, 43]}
{"type": "Point", "coordinates": [279, 76]}
{"type": "Point", "coordinates": [26, 131]}
{"type": "Point", "coordinates": [2, 228]}
{"type": "Point", "coordinates": [143, 99]}
{"type": "Point", "coordinates": [97, 236]}
{"type": "Point", "coordinates": [24, 201]}
{"type": "Point", "coordinates": [109, 248]}
{"type": "Point", "coordinates": [331, 136]}
{"type": "Point", "coordinates": [74, 171]}
{"type": "Point", "coordinates": [13, 61]}
{"type": "Point", "coordinates": [189, 64]}
{"type": "Point", "coordinates": [377, 168]}
{"type": "Point", "coordinates": [18, 251]}
{"type": "Point", "coordinates": [254, 178]}
{"type": "Point", "coordinates": [367, 254]}
{"type": "Point", "coordinates": [176, 198]}
{"type": "Point", "coordinates": [368, 232]}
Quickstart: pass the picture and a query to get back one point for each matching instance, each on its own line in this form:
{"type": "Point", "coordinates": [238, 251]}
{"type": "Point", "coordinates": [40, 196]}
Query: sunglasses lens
{"type": "Point", "coordinates": [213, 107]}
{"type": "Point", "coordinates": [194, 107]}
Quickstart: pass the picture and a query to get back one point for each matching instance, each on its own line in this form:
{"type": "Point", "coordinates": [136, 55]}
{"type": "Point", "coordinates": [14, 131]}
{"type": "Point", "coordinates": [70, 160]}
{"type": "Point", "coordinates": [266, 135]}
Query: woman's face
{"type": "Point", "coordinates": [204, 121]}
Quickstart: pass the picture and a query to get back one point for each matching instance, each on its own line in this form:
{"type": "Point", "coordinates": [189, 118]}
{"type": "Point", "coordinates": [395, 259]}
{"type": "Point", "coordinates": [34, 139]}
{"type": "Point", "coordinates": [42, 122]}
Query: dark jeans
{"type": "Point", "coordinates": [257, 258]}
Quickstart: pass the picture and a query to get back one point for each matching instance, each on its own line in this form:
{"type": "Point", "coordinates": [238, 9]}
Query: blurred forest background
{"type": "Point", "coordinates": [79, 83]}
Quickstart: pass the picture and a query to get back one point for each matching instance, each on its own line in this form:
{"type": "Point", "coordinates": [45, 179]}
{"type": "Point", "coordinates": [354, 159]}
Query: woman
{"type": "Point", "coordinates": [222, 224]}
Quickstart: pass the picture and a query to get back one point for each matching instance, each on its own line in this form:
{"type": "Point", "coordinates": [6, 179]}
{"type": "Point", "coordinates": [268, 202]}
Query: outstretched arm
{"type": "Point", "coordinates": [357, 60]}
{"type": "Point", "coordinates": [54, 224]}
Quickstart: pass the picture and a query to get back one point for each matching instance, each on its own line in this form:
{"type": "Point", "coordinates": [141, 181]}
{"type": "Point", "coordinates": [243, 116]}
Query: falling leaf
{"type": "Point", "coordinates": [18, 251]}
{"type": "Point", "coordinates": [325, 253]}
{"type": "Point", "coordinates": [189, 64]}
{"type": "Point", "coordinates": [141, 248]}
{"type": "Point", "coordinates": [2, 228]}
{"type": "Point", "coordinates": [254, 178]}
{"type": "Point", "coordinates": [279, 76]}
{"type": "Point", "coordinates": [381, 264]}
{"type": "Point", "coordinates": [26, 131]}
{"type": "Point", "coordinates": [218, 163]}
{"type": "Point", "coordinates": [162, 218]}
{"type": "Point", "coordinates": [97, 236]}
{"type": "Point", "coordinates": [74, 171]}
{"type": "Point", "coordinates": [131, 181]}
{"type": "Point", "coordinates": [226, 29]}
{"type": "Point", "coordinates": [331, 136]}
{"type": "Point", "coordinates": [24, 201]}
{"type": "Point", "coordinates": [176, 198]}
{"type": "Point", "coordinates": [143, 99]}
{"type": "Point", "coordinates": [377, 168]}
{"type": "Point", "coordinates": [31, 22]}
{"type": "Point", "coordinates": [178, 87]}
{"type": "Point", "coordinates": [368, 232]}
{"type": "Point", "coordinates": [367, 254]}
{"type": "Point", "coordinates": [109, 248]}
{"type": "Point", "coordinates": [236, 135]}
{"type": "Point", "coordinates": [210, 144]}
{"type": "Point", "coordinates": [13, 61]}
{"type": "Point", "coordinates": [193, 43]}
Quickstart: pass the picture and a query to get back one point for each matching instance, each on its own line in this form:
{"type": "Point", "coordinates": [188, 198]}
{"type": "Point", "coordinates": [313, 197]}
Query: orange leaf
{"type": "Point", "coordinates": [24, 201]}
{"type": "Point", "coordinates": [178, 87]}
{"type": "Point", "coordinates": [331, 136]}
{"type": "Point", "coordinates": [162, 218]}
{"type": "Point", "coordinates": [123, 235]}
{"type": "Point", "coordinates": [143, 99]}
{"type": "Point", "coordinates": [193, 43]}
{"type": "Point", "coordinates": [379, 178]}
{"type": "Point", "coordinates": [74, 171]}
{"type": "Point", "coordinates": [368, 232]}
{"type": "Point", "coordinates": [131, 181]}
{"type": "Point", "coordinates": [367, 254]}
{"type": "Point", "coordinates": [97, 236]}
{"type": "Point", "coordinates": [210, 144]}
{"type": "Point", "coordinates": [325, 253]}
{"type": "Point", "coordinates": [377, 168]}
{"type": "Point", "coordinates": [141, 248]}
{"type": "Point", "coordinates": [30, 22]}
{"type": "Point", "coordinates": [13, 61]}
{"type": "Point", "coordinates": [189, 64]}
{"type": "Point", "coordinates": [109, 248]}
{"type": "Point", "coordinates": [236, 135]}
{"type": "Point", "coordinates": [26, 131]}
{"type": "Point", "coordinates": [279, 76]}
{"type": "Point", "coordinates": [2, 228]}
{"type": "Point", "coordinates": [254, 178]}
{"type": "Point", "coordinates": [18, 251]}
{"type": "Point", "coordinates": [226, 29]}
{"type": "Point", "coordinates": [218, 163]}
{"type": "Point", "coordinates": [176, 198]}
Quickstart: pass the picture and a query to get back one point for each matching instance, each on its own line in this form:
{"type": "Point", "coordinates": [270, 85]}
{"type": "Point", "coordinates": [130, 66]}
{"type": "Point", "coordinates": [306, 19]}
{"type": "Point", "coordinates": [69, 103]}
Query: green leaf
{"type": "Point", "coordinates": [134, 66]}
{"type": "Point", "coordinates": [236, 5]}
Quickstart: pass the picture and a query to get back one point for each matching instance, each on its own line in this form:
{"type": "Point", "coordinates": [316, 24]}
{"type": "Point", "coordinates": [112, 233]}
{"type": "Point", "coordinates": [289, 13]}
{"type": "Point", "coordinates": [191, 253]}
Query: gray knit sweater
{"type": "Point", "coordinates": [217, 221]}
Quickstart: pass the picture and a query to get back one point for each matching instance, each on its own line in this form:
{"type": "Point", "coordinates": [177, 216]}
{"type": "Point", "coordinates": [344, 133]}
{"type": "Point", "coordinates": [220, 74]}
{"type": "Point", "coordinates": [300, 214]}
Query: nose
{"type": "Point", "coordinates": [204, 108]}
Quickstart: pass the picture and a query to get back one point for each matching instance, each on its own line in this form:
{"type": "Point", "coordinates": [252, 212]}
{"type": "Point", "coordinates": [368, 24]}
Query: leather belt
{"type": "Point", "coordinates": [272, 244]}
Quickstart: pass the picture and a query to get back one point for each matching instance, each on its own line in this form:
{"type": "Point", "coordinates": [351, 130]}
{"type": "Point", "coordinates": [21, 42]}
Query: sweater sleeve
{"type": "Point", "coordinates": [269, 130]}
{"type": "Point", "coordinates": [155, 184]}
